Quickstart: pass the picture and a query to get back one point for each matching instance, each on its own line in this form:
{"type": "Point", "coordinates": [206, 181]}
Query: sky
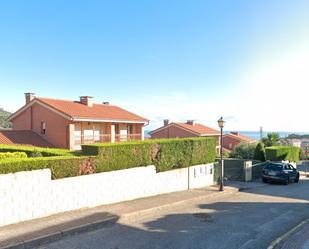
{"type": "Point", "coordinates": [247, 61]}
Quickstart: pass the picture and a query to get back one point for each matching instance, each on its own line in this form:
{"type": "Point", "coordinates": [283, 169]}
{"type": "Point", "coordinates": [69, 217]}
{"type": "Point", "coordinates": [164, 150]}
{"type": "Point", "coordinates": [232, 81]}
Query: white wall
{"type": "Point", "coordinates": [32, 194]}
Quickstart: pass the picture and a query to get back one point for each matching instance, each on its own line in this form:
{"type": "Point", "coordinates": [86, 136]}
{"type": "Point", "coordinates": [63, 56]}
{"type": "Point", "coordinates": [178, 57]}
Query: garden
{"type": "Point", "coordinates": [165, 154]}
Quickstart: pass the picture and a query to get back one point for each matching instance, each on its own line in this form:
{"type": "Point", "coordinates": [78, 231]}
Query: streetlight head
{"type": "Point", "coordinates": [221, 122]}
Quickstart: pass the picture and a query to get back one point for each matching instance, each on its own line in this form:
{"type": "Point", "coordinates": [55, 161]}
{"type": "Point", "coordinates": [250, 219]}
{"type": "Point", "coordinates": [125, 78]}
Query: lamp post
{"type": "Point", "coordinates": [221, 125]}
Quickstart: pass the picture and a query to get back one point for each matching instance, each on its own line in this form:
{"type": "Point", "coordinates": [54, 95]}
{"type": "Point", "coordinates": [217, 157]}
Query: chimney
{"type": "Point", "coordinates": [29, 97]}
{"type": "Point", "coordinates": [166, 122]}
{"type": "Point", "coordinates": [235, 133]}
{"type": "Point", "coordinates": [190, 122]}
{"type": "Point", "coordinates": [86, 100]}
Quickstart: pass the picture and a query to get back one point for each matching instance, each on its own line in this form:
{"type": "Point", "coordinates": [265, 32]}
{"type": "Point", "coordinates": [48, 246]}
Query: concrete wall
{"type": "Point", "coordinates": [32, 194]}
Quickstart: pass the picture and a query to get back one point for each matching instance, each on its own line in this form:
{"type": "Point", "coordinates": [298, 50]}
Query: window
{"type": "Point", "coordinates": [43, 128]}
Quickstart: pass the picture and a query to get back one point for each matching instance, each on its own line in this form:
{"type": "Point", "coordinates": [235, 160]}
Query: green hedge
{"type": "Point", "coordinates": [166, 154]}
{"type": "Point", "coordinates": [6, 155]}
{"type": "Point", "coordinates": [30, 150]}
{"type": "Point", "coordinates": [282, 153]}
{"type": "Point", "coordinates": [60, 166]}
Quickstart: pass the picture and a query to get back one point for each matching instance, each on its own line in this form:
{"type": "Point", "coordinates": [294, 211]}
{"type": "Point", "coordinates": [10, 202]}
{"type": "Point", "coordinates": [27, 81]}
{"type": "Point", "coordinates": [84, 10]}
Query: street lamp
{"type": "Point", "coordinates": [221, 125]}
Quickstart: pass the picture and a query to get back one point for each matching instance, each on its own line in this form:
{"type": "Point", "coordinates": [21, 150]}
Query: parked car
{"type": "Point", "coordinates": [280, 172]}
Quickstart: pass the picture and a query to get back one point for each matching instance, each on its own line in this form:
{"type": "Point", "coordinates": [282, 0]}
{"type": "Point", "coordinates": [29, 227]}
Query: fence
{"type": "Point", "coordinates": [234, 169]}
{"type": "Point", "coordinates": [32, 194]}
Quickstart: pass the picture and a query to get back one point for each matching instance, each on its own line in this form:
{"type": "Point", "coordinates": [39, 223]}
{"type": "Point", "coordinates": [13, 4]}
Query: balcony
{"type": "Point", "coordinates": [104, 138]}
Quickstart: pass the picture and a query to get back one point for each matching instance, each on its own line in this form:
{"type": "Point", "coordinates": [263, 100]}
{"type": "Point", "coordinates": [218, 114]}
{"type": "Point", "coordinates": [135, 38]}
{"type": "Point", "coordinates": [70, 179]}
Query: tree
{"type": "Point", "coordinates": [4, 123]}
{"type": "Point", "coordinates": [259, 152]}
{"type": "Point", "coordinates": [272, 139]}
{"type": "Point", "coordinates": [243, 151]}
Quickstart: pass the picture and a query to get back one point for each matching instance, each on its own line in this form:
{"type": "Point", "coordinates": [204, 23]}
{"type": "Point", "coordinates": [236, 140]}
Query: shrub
{"type": "Point", "coordinates": [259, 152]}
{"type": "Point", "coordinates": [166, 154]}
{"type": "Point", "coordinates": [282, 153]}
{"type": "Point", "coordinates": [6, 155]}
{"type": "Point", "coordinates": [243, 151]}
{"type": "Point", "coordinates": [272, 139]}
{"type": "Point", "coordinates": [45, 152]}
{"type": "Point", "coordinates": [121, 156]}
{"type": "Point", "coordinates": [35, 153]}
{"type": "Point", "coordinates": [87, 167]}
{"type": "Point", "coordinates": [60, 166]}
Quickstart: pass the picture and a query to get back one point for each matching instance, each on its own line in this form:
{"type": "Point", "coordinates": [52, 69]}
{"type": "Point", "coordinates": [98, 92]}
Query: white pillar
{"type": "Point", "coordinates": [143, 135]}
{"type": "Point", "coordinates": [113, 133]}
{"type": "Point", "coordinates": [71, 139]}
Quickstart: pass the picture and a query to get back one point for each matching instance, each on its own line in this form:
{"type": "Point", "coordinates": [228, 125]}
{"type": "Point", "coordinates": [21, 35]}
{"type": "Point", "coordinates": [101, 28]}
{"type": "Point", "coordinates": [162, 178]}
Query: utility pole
{"type": "Point", "coordinates": [261, 132]}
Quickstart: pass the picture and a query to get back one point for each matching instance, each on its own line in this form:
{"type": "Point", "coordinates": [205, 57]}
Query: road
{"type": "Point", "coordinates": [248, 219]}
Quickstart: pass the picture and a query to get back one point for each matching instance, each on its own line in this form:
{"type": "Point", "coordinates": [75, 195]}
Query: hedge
{"type": "Point", "coordinates": [165, 154]}
{"type": "Point", "coordinates": [282, 153]}
{"type": "Point", "coordinates": [30, 150]}
{"type": "Point", "coordinates": [5, 155]}
{"type": "Point", "coordinates": [60, 166]}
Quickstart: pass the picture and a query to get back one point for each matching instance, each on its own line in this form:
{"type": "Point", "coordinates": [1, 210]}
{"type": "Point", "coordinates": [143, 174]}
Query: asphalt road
{"type": "Point", "coordinates": [250, 219]}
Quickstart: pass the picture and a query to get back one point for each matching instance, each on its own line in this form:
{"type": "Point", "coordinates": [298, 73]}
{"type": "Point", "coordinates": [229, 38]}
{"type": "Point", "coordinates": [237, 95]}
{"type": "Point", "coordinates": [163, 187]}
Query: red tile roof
{"type": "Point", "coordinates": [77, 110]}
{"type": "Point", "coordinates": [240, 137]}
{"type": "Point", "coordinates": [22, 138]}
{"type": "Point", "coordinates": [199, 128]}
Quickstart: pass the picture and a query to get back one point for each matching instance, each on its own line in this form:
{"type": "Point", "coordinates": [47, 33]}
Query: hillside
{"type": "Point", "coordinates": [3, 119]}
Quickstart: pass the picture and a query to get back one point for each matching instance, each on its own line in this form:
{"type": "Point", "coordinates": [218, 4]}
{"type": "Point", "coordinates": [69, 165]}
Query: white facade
{"type": "Point", "coordinates": [32, 194]}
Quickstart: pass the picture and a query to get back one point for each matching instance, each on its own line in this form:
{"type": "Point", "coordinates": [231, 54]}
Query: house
{"type": "Point", "coordinates": [182, 130]}
{"type": "Point", "coordinates": [68, 124]}
{"type": "Point", "coordinates": [231, 140]}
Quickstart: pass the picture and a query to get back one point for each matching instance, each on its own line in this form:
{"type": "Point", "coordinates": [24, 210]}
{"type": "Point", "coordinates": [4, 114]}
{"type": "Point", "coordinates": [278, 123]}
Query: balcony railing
{"type": "Point", "coordinates": [105, 138]}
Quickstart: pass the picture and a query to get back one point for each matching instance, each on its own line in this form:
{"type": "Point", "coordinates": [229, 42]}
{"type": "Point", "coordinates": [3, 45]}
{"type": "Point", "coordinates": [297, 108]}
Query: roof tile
{"type": "Point", "coordinates": [76, 109]}
{"type": "Point", "coordinates": [199, 128]}
{"type": "Point", "coordinates": [22, 137]}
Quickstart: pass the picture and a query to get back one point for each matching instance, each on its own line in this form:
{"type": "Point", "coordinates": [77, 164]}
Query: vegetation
{"type": "Point", "coordinates": [272, 139]}
{"type": "Point", "coordinates": [282, 153]}
{"type": "Point", "coordinates": [303, 155]}
{"type": "Point", "coordinates": [4, 123]}
{"type": "Point", "coordinates": [259, 152]}
{"type": "Point", "coordinates": [296, 136]}
{"type": "Point", "coordinates": [6, 155]}
{"type": "Point", "coordinates": [166, 154]}
{"type": "Point", "coordinates": [60, 166]}
{"type": "Point", "coordinates": [243, 151]}
{"type": "Point", "coordinates": [36, 151]}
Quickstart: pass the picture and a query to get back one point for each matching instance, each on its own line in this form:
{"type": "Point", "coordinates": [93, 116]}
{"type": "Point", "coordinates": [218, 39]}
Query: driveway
{"type": "Point", "coordinates": [252, 218]}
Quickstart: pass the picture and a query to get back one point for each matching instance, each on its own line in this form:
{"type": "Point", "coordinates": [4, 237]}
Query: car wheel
{"type": "Point", "coordinates": [265, 180]}
{"type": "Point", "coordinates": [297, 179]}
{"type": "Point", "coordinates": [286, 180]}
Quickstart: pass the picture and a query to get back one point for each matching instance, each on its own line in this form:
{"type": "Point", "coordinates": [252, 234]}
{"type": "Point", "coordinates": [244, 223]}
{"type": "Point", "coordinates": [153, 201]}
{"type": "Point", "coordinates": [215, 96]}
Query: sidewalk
{"type": "Point", "coordinates": [36, 232]}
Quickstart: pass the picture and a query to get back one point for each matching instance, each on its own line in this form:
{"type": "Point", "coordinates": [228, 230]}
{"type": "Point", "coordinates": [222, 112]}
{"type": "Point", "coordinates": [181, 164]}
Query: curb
{"type": "Point", "coordinates": [52, 237]}
{"type": "Point", "coordinates": [283, 237]}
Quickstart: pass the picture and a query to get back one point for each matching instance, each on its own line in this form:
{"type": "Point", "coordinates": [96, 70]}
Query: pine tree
{"type": "Point", "coordinates": [259, 152]}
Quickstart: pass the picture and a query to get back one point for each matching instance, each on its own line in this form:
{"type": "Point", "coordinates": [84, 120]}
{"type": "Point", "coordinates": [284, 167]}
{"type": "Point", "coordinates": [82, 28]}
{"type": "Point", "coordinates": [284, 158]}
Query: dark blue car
{"type": "Point", "coordinates": [280, 172]}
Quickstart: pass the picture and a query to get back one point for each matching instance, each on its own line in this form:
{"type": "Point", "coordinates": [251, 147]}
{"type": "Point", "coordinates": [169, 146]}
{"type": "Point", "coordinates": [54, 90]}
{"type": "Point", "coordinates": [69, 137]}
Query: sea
{"type": "Point", "coordinates": [256, 134]}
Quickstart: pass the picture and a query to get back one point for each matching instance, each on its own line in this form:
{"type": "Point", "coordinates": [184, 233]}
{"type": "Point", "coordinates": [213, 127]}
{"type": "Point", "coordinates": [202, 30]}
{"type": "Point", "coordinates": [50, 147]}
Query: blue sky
{"type": "Point", "coordinates": [162, 59]}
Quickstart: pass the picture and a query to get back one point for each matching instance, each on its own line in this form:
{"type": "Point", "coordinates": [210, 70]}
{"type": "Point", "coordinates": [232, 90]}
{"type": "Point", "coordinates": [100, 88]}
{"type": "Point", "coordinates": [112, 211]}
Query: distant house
{"type": "Point", "coordinates": [231, 140]}
{"type": "Point", "coordinates": [68, 124]}
{"type": "Point", "coordinates": [183, 130]}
